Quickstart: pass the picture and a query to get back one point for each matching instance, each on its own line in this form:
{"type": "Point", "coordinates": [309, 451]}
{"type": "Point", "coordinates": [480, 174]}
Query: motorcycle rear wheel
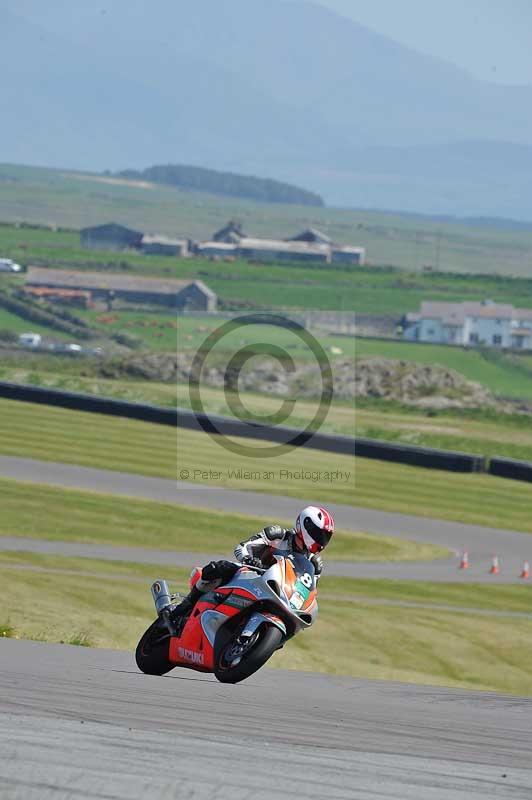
{"type": "Point", "coordinates": [152, 651]}
{"type": "Point", "coordinates": [270, 638]}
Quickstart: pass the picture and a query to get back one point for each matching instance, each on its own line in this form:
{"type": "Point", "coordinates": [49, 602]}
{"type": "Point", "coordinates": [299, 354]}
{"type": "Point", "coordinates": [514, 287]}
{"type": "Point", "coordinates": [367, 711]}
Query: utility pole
{"type": "Point", "coordinates": [438, 250]}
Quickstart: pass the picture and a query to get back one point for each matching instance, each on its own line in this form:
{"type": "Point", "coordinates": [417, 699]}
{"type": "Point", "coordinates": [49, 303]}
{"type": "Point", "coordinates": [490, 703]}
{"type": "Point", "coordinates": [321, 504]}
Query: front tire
{"type": "Point", "coordinates": [269, 640]}
{"type": "Point", "coordinates": [152, 651]}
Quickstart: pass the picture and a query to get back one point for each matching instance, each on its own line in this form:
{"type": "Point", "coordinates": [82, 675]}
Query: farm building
{"type": "Point", "coordinates": [152, 244]}
{"type": "Point", "coordinates": [191, 295]}
{"type": "Point", "coordinates": [230, 233]}
{"type": "Point", "coordinates": [345, 254]}
{"type": "Point", "coordinates": [471, 323]}
{"type": "Point", "coordinates": [216, 250]}
{"type": "Point", "coordinates": [311, 236]}
{"type": "Point", "coordinates": [273, 250]}
{"type": "Point", "coordinates": [309, 245]}
{"type": "Point", "coordinates": [110, 237]}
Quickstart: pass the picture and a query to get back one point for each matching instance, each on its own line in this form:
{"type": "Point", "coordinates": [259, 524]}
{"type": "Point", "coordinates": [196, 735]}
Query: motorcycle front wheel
{"type": "Point", "coordinates": [152, 651]}
{"type": "Point", "coordinates": [250, 659]}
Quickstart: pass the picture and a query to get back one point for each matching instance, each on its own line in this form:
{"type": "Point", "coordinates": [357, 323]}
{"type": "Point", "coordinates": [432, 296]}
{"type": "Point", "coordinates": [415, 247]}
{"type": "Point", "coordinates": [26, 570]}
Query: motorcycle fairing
{"type": "Point", "coordinates": [282, 584]}
{"type": "Point", "coordinates": [194, 648]}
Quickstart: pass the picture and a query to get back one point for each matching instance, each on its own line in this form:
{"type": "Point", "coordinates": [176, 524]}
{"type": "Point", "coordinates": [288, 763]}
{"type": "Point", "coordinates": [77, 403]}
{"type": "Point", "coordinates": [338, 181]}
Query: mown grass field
{"type": "Point", "coordinates": [491, 434]}
{"type": "Point", "coordinates": [129, 446]}
{"type": "Point", "coordinates": [473, 432]}
{"type": "Point", "coordinates": [102, 604]}
{"type": "Point", "coordinates": [494, 434]}
{"type": "Point", "coordinates": [74, 200]}
{"type": "Point", "coordinates": [341, 417]}
{"type": "Point", "coordinates": [42, 512]}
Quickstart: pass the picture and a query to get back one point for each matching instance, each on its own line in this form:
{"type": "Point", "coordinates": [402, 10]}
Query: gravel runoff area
{"type": "Point", "coordinates": [482, 543]}
{"type": "Point", "coordinates": [76, 722]}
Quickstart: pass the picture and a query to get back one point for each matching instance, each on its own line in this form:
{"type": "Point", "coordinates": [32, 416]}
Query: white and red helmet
{"type": "Point", "coordinates": [314, 528]}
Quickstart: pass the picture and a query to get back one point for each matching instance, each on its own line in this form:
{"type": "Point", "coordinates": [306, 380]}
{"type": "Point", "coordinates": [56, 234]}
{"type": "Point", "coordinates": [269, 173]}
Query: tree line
{"type": "Point", "coordinates": [201, 179]}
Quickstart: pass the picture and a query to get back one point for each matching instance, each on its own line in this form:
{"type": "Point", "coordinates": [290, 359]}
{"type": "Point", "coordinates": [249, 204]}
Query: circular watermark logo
{"type": "Point", "coordinates": [270, 426]}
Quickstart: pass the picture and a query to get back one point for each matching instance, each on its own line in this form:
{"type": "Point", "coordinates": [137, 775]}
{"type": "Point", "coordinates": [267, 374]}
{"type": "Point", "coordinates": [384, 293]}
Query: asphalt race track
{"type": "Point", "coordinates": [482, 543]}
{"type": "Point", "coordinates": [80, 723]}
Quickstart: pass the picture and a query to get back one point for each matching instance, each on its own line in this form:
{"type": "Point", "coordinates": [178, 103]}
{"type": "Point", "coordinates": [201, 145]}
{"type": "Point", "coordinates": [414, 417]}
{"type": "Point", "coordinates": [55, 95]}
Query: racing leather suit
{"type": "Point", "coordinates": [272, 540]}
{"type": "Point", "coordinates": [258, 550]}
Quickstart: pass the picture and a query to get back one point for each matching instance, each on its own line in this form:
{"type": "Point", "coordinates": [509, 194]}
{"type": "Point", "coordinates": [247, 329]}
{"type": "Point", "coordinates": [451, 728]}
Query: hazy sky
{"type": "Point", "coordinates": [491, 38]}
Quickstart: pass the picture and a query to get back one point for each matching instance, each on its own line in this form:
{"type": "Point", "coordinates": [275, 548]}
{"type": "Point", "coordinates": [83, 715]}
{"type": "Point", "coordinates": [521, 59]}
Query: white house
{"type": "Point", "coordinates": [485, 323]}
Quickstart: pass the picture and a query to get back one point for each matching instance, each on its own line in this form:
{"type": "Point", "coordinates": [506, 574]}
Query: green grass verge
{"type": "Point", "coordinates": [491, 434]}
{"type": "Point", "coordinates": [340, 418]}
{"type": "Point", "coordinates": [110, 443]}
{"type": "Point", "coordinates": [473, 499]}
{"type": "Point", "coordinates": [418, 645]}
{"type": "Point", "coordinates": [502, 598]}
{"type": "Point", "coordinates": [42, 512]}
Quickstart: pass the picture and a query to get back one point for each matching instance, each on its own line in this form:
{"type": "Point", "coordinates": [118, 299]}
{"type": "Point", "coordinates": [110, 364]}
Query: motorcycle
{"type": "Point", "coordinates": [233, 630]}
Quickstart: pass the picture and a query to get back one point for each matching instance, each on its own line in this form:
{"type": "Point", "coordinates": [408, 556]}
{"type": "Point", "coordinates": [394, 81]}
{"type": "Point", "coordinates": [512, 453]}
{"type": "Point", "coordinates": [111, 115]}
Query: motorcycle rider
{"type": "Point", "coordinates": [312, 533]}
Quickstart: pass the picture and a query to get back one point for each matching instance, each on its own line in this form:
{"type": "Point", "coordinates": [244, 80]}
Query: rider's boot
{"type": "Point", "coordinates": [187, 603]}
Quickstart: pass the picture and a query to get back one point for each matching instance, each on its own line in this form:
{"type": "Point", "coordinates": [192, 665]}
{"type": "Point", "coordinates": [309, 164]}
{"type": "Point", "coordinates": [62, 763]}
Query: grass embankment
{"type": "Point", "coordinates": [42, 512]}
{"type": "Point", "coordinates": [506, 375]}
{"type": "Point", "coordinates": [72, 199]}
{"type": "Point", "coordinates": [358, 637]}
{"type": "Point", "coordinates": [12, 322]}
{"type": "Point", "coordinates": [110, 443]}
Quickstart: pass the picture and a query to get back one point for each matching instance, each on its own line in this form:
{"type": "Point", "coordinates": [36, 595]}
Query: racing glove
{"type": "Point", "coordinates": [252, 562]}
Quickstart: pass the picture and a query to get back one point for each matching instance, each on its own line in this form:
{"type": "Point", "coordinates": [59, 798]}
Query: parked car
{"type": "Point", "coordinates": [64, 347]}
{"type": "Point", "coordinates": [7, 265]}
{"type": "Point", "coordinates": [30, 339]}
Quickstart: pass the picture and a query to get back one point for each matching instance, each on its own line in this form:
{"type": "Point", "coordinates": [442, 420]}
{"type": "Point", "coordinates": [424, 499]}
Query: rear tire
{"type": "Point", "coordinates": [152, 651]}
{"type": "Point", "coordinates": [270, 638]}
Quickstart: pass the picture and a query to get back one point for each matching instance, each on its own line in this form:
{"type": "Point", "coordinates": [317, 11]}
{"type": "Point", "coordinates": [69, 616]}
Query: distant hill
{"type": "Point", "coordinates": [280, 89]}
{"type": "Point", "coordinates": [225, 183]}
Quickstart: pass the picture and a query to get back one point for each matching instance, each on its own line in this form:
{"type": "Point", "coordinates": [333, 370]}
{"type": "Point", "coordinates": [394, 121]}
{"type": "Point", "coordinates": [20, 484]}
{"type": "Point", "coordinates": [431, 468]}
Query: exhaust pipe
{"type": "Point", "coordinates": [161, 595]}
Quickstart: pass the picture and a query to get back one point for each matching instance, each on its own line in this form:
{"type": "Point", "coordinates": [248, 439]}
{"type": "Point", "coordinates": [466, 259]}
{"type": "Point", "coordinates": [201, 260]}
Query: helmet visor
{"type": "Point", "coordinates": [321, 537]}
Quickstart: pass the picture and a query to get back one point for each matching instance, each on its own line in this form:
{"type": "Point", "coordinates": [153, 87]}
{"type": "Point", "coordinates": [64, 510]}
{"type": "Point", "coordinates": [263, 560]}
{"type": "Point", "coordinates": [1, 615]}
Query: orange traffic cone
{"type": "Point", "coordinates": [464, 561]}
{"type": "Point", "coordinates": [525, 574]}
{"type": "Point", "coordinates": [495, 568]}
